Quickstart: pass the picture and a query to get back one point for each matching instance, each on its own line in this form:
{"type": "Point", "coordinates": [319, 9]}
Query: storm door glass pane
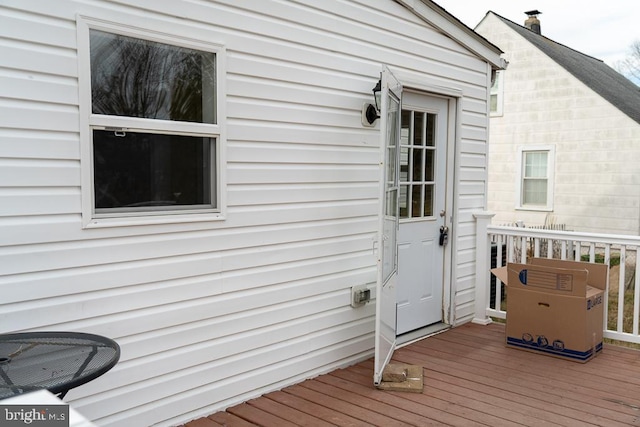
{"type": "Point", "coordinates": [393, 134]}
{"type": "Point", "coordinates": [404, 201]}
{"type": "Point", "coordinates": [140, 78]}
{"type": "Point", "coordinates": [404, 163]}
{"type": "Point", "coordinates": [134, 170]}
{"type": "Point", "coordinates": [390, 223]}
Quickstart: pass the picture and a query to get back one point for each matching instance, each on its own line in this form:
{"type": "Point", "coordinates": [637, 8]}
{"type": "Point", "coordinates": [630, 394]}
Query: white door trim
{"type": "Point", "coordinates": [454, 98]}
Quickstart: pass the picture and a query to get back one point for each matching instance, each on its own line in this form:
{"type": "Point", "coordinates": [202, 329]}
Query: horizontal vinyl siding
{"type": "Point", "coordinates": [210, 314]}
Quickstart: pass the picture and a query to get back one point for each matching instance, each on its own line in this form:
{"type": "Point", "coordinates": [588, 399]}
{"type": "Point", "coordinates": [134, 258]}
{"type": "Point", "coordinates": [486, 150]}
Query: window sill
{"type": "Point", "coordinates": [534, 208]}
{"type": "Point", "coordinates": [152, 220]}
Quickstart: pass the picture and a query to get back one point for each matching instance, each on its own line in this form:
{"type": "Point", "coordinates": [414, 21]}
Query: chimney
{"type": "Point", "coordinates": [532, 22]}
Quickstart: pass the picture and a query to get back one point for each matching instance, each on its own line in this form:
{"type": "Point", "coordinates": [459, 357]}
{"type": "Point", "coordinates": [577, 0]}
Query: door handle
{"type": "Point", "coordinates": [444, 235]}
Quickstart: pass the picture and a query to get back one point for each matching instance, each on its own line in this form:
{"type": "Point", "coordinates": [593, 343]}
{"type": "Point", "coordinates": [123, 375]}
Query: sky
{"type": "Point", "coordinates": [602, 29]}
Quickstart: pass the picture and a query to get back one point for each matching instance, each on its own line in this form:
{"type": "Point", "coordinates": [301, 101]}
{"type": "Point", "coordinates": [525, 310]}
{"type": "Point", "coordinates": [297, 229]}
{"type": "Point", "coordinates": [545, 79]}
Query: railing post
{"type": "Point", "coordinates": [483, 265]}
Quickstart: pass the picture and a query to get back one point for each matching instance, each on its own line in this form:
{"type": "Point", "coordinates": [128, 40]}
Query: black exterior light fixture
{"type": "Point", "coordinates": [370, 112]}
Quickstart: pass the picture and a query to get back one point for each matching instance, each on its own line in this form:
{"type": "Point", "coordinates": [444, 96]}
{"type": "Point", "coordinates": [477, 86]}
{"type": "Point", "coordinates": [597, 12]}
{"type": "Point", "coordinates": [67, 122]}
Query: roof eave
{"type": "Point", "coordinates": [454, 28]}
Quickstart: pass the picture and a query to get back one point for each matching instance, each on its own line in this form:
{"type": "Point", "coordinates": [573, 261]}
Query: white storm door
{"type": "Point", "coordinates": [423, 160]}
{"type": "Point", "coordinates": [385, 333]}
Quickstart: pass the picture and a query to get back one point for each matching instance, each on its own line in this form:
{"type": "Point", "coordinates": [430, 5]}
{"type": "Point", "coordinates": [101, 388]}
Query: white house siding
{"type": "Point", "coordinates": [211, 314]}
{"type": "Point", "coordinates": [597, 161]}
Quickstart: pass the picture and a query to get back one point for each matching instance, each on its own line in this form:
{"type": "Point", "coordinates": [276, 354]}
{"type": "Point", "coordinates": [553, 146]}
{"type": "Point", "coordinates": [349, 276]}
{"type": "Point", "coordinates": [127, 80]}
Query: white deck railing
{"type": "Point", "coordinates": [517, 244]}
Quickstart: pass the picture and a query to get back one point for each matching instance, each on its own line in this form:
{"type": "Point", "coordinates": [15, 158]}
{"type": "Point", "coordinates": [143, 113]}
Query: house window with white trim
{"type": "Point", "coordinates": [153, 127]}
{"type": "Point", "coordinates": [496, 94]}
{"type": "Point", "coordinates": [536, 178]}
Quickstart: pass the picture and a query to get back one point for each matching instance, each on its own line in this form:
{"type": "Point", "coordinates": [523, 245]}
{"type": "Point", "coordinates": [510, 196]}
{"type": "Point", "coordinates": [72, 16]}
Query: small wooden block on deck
{"type": "Point", "coordinates": [399, 377]}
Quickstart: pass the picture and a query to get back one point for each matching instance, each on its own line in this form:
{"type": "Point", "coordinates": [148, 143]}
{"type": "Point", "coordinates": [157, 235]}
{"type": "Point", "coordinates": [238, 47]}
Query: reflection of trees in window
{"type": "Point", "coordinates": [139, 78]}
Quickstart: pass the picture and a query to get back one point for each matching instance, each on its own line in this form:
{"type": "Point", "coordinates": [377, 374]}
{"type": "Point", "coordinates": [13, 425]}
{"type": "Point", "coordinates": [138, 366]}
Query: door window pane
{"type": "Point", "coordinates": [416, 198]}
{"type": "Point", "coordinates": [428, 199]}
{"type": "Point", "coordinates": [418, 128]}
{"type": "Point", "coordinates": [429, 165]}
{"type": "Point", "coordinates": [430, 137]}
{"type": "Point", "coordinates": [417, 164]}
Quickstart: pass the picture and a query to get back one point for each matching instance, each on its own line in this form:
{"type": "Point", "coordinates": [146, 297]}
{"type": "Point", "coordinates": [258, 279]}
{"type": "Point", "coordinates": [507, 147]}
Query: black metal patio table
{"type": "Point", "coordinates": [56, 361]}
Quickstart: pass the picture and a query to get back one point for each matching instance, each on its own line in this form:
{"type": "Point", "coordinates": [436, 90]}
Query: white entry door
{"type": "Point", "coordinates": [385, 335]}
{"type": "Point", "coordinates": [423, 160]}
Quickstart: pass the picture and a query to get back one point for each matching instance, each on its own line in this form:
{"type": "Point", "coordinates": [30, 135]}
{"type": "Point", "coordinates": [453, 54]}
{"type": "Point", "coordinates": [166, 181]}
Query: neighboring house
{"type": "Point", "coordinates": [197, 180]}
{"type": "Point", "coordinates": [565, 135]}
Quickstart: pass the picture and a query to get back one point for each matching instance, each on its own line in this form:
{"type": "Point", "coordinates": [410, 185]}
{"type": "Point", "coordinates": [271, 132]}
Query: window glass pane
{"type": "Point", "coordinates": [535, 192]}
{"type": "Point", "coordinates": [142, 169]}
{"type": "Point", "coordinates": [496, 93]}
{"type": "Point", "coordinates": [535, 165]}
{"type": "Point", "coordinates": [496, 82]}
{"type": "Point", "coordinates": [493, 103]}
{"type": "Point", "coordinates": [139, 78]}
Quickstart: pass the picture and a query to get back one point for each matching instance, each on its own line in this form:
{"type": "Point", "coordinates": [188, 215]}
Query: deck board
{"type": "Point", "coordinates": [471, 379]}
{"type": "Point", "coordinates": [289, 413]}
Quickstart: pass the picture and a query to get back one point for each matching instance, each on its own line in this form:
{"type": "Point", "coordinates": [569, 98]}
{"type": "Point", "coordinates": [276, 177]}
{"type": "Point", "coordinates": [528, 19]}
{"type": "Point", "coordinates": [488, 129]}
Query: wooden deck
{"type": "Point", "coordinates": [470, 379]}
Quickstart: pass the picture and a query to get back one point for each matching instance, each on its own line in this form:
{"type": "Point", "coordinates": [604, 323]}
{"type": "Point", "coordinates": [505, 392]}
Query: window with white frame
{"type": "Point", "coordinates": [496, 94]}
{"type": "Point", "coordinates": [536, 178]}
{"type": "Point", "coordinates": [153, 125]}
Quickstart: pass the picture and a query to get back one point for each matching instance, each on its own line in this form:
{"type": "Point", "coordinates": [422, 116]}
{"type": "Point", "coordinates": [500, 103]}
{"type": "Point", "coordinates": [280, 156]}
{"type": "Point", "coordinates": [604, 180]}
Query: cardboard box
{"type": "Point", "coordinates": [555, 307]}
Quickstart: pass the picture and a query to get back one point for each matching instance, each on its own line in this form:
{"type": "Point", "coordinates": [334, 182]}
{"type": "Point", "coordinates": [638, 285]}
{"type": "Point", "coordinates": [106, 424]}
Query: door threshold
{"type": "Point", "coordinates": [419, 334]}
